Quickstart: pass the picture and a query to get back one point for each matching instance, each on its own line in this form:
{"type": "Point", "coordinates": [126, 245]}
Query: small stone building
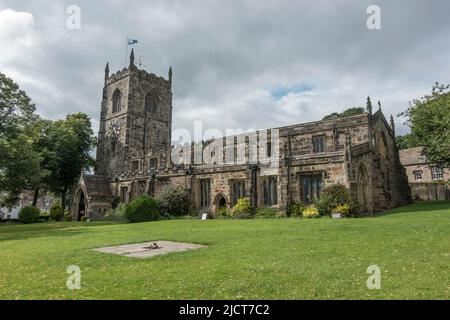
{"type": "Point", "coordinates": [427, 181]}
{"type": "Point", "coordinates": [135, 156]}
{"type": "Point", "coordinates": [44, 203]}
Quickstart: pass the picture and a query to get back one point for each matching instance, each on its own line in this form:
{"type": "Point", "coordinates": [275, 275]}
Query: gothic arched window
{"type": "Point", "coordinates": [150, 102]}
{"type": "Point", "coordinates": [116, 100]}
{"type": "Point", "coordinates": [363, 187]}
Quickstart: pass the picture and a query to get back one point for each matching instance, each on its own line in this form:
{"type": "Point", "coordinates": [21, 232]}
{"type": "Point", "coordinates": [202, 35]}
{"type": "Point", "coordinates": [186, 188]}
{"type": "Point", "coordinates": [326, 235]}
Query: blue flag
{"type": "Point", "coordinates": [131, 41]}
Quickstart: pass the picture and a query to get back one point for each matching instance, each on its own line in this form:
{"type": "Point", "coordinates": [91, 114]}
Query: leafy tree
{"type": "Point", "coordinates": [22, 172]}
{"type": "Point", "coordinates": [68, 143]}
{"type": "Point", "coordinates": [42, 144]}
{"type": "Point", "coordinates": [346, 113]}
{"type": "Point", "coordinates": [429, 119]}
{"type": "Point", "coordinates": [36, 153]}
{"type": "Point", "coordinates": [16, 111]}
{"type": "Point", "coordinates": [407, 141]}
{"type": "Point", "coordinates": [19, 163]}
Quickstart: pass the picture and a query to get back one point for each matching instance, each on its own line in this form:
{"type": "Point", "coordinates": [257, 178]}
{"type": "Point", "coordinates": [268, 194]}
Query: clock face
{"type": "Point", "coordinates": [114, 129]}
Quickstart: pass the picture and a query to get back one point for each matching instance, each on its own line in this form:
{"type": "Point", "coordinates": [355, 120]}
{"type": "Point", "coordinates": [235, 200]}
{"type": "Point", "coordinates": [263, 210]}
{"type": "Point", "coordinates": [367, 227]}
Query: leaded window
{"type": "Point", "coordinates": [205, 193]}
{"type": "Point", "coordinates": [318, 144]}
{"type": "Point", "coordinates": [418, 175]}
{"type": "Point", "coordinates": [237, 191]}
{"type": "Point", "coordinates": [437, 173]}
{"type": "Point", "coordinates": [311, 187]}
{"type": "Point", "coordinates": [117, 101]}
{"type": "Point", "coordinates": [270, 190]}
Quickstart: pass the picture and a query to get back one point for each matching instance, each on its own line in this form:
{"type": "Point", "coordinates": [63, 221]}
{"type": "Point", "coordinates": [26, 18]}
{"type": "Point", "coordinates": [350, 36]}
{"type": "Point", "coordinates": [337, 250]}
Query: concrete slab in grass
{"type": "Point", "coordinates": [149, 249]}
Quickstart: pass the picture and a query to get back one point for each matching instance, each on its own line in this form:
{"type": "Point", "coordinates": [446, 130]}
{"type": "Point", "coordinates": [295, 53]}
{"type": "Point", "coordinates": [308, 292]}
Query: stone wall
{"type": "Point", "coordinates": [428, 191]}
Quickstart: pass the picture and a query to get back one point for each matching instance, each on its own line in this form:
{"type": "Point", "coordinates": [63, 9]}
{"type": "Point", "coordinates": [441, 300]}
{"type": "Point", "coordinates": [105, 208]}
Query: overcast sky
{"type": "Point", "coordinates": [236, 64]}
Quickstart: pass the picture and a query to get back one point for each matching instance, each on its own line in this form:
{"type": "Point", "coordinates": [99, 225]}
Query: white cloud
{"type": "Point", "coordinates": [16, 34]}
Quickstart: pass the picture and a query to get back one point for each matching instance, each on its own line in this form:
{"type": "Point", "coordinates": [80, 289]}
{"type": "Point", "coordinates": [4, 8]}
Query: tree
{"type": "Point", "coordinates": [429, 120]}
{"type": "Point", "coordinates": [70, 142]}
{"type": "Point", "coordinates": [23, 172]}
{"type": "Point", "coordinates": [36, 153]}
{"type": "Point", "coordinates": [19, 163]}
{"type": "Point", "coordinates": [407, 141]}
{"type": "Point", "coordinates": [42, 144]}
{"type": "Point", "coordinates": [346, 113]}
{"type": "Point", "coordinates": [16, 110]}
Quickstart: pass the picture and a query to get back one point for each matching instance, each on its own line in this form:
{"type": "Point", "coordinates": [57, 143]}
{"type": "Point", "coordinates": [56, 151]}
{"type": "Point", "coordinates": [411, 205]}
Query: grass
{"type": "Point", "coordinates": [245, 259]}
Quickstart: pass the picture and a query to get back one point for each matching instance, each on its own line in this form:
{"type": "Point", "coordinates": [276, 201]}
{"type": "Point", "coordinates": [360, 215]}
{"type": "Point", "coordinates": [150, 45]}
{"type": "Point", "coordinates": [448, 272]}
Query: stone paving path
{"type": "Point", "coordinates": [146, 249]}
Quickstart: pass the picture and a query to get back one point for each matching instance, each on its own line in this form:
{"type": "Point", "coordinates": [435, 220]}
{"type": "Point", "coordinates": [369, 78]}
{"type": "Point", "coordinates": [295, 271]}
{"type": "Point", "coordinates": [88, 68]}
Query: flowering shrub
{"type": "Point", "coordinates": [242, 209]}
{"type": "Point", "coordinates": [343, 209]}
{"type": "Point", "coordinates": [311, 212]}
{"type": "Point", "coordinates": [336, 196]}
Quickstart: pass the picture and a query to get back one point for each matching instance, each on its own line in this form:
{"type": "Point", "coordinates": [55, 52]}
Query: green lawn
{"type": "Point", "coordinates": [246, 259]}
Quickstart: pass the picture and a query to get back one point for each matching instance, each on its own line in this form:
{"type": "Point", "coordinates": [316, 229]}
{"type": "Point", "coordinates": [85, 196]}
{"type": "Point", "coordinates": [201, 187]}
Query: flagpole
{"type": "Point", "coordinates": [126, 54]}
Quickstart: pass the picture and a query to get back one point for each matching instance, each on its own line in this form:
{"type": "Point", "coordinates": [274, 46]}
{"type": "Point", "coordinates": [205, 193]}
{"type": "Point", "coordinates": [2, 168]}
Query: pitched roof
{"type": "Point", "coordinates": [412, 156]}
{"type": "Point", "coordinates": [97, 185]}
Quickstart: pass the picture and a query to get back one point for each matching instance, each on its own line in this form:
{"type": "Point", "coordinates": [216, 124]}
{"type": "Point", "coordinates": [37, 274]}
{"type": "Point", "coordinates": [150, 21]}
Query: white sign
{"type": "Point", "coordinates": [204, 216]}
{"type": "Point", "coordinates": [336, 215]}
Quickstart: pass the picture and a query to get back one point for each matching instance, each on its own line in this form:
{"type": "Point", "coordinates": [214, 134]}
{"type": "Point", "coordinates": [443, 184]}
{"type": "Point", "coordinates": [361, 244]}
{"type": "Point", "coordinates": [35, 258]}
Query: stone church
{"type": "Point", "coordinates": [135, 156]}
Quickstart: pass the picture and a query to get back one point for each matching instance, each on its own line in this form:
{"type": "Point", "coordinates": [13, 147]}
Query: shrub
{"type": "Point", "coordinates": [243, 215]}
{"type": "Point", "coordinates": [29, 214]}
{"type": "Point", "coordinates": [354, 208]}
{"type": "Point", "coordinates": [325, 204]}
{"type": "Point", "coordinates": [67, 217]}
{"type": "Point", "coordinates": [296, 209]}
{"type": "Point", "coordinates": [44, 216]}
{"type": "Point", "coordinates": [343, 209]}
{"type": "Point", "coordinates": [174, 201]}
{"type": "Point", "coordinates": [311, 212]}
{"type": "Point", "coordinates": [331, 197]}
{"type": "Point", "coordinates": [223, 213]}
{"type": "Point", "coordinates": [143, 208]}
{"type": "Point", "coordinates": [266, 213]}
{"type": "Point", "coordinates": [116, 214]}
{"type": "Point", "coordinates": [84, 218]}
{"type": "Point", "coordinates": [243, 208]}
{"type": "Point", "coordinates": [56, 212]}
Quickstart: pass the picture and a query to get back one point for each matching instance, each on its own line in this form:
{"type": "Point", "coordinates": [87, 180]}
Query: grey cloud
{"type": "Point", "coordinates": [226, 54]}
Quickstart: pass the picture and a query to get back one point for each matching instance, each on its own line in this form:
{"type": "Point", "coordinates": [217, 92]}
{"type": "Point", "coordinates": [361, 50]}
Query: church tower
{"type": "Point", "coordinates": [135, 123]}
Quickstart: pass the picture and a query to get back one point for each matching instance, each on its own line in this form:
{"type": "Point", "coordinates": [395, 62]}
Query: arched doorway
{"type": "Point", "coordinates": [80, 207]}
{"type": "Point", "coordinates": [220, 202]}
